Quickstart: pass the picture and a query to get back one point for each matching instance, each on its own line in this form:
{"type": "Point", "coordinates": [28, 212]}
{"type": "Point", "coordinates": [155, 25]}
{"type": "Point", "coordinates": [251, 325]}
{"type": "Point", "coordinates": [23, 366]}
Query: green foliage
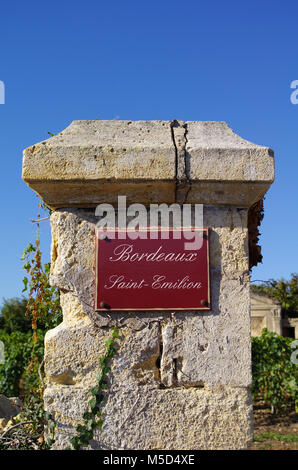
{"type": "Point", "coordinates": [27, 430]}
{"type": "Point", "coordinates": [16, 357]}
{"type": "Point", "coordinates": [276, 437]}
{"type": "Point", "coordinates": [40, 418]}
{"type": "Point", "coordinates": [19, 373]}
{"type": "Point", "coordinates": [93, 416]}
{"type": "Point", "coordinates": [286, 292]}
{"type": "Point", "coordinates": [13, 316]}
{"type": "Point", "coordinates": [30, 381]}
{"type": "Point", "coordinates": [43, 306]}
{"type": "Point", "coordinates": [20, 376]}
{"type": "Point", "coordinates": [274, 375]}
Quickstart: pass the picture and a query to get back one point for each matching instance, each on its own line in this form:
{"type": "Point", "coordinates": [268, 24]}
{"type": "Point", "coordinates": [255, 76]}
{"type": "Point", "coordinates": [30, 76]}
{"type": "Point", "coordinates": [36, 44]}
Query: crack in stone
{"type": "Point", "coordinates": [172, 124]}
{"type": "Point", "coordinates": [158, 360]}
{"type": "Point", "coordinates": [186, 164]}
{"type": "Point", "coordinates": [182, 182]}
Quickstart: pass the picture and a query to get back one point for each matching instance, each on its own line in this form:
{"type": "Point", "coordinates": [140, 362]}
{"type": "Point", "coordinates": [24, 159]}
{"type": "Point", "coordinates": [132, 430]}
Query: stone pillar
{"type": "Point", "coordinates": [180, 380]}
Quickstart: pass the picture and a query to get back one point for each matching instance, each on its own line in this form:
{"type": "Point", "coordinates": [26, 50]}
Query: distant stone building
{"type": "Point", "coordinates": [290, 327]}
{"type": "Point", "coordinates": [267, 313]}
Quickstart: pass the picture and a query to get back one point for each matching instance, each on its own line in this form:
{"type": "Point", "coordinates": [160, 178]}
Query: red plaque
{"type": "Point", "coordinates": [153, 273]}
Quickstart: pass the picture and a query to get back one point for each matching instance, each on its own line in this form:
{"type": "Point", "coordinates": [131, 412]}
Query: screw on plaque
{"type": "Point", "coordinates": [105, 305]}
{"type": "Point", "coordinates": [205, 303]}
{"type": "Point", "coordinates": [103, 236]}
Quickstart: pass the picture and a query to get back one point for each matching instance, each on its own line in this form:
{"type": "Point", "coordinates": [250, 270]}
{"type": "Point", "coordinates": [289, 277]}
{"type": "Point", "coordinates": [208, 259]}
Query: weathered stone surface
{"type": "Point", "coordinates": [103, 158]}
{"type": "Point", "coordinates": [179, 380]}
{"type": "Point", "coordinates": [150, 418]}
{"type": "Point", "coordinates": [101, 150]}
{"type": "Point", "coordinates": [197, 365]}
{"type": "Point", "coordinates": [232, 193]}
{"type": "Point", "coordinates": [149, 161]}
{"type": "Point", "coordinates": [90, 194]}
{"type": "Point", "coordinates": [222, 168]}
{"type": "Point", "coordinates": [217, 153]}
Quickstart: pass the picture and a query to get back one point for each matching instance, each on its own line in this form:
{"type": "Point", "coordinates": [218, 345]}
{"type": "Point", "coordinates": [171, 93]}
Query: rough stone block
{"type": "Point", "coordinates": [91, 162]}
{"type": "Point", "coordinates": [194, 365]}
{"type": "Point", "coordinates": [90, 159]}
{"type": "Point", "coordinates": [179, 380]}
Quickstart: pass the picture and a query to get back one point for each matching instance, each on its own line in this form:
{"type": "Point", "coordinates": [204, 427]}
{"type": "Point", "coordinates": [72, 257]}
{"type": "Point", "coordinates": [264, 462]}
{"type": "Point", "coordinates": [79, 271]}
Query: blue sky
{"type": "Point", "coordinates": [194, 60]}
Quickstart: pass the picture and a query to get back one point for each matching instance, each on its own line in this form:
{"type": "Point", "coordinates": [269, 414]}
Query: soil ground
{"type": "Point", "coordinates": [274, 432]}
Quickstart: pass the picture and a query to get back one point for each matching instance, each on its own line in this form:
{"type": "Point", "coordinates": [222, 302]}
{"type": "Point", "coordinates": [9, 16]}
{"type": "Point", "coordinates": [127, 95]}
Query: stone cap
{"type": "Point", "coordinates": [91, 162]}
{"type": "Point", "coordinates": [263, 298]}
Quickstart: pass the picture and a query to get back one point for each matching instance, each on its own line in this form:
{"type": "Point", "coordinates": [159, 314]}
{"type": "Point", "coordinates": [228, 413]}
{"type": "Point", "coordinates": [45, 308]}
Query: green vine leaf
{"type": "Point", "coordinates": [25, 282]}
{"type": "Point", "coordinates": [93, 417]}
{"type": "Point", "coordinates": [95, 390]}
